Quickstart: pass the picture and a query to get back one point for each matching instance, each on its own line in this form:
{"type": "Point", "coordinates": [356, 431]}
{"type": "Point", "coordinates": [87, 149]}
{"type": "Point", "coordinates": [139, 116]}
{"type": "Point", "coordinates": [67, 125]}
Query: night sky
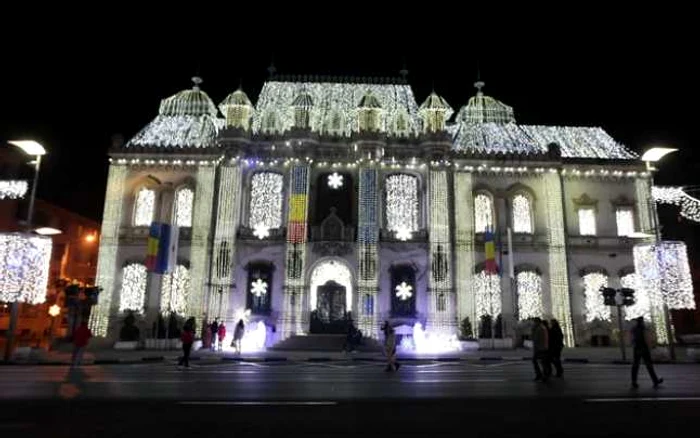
{"type": "Point", "coordinates": [72, 86]}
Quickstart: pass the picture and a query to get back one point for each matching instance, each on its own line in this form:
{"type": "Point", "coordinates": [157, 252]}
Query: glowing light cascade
{"type": "Point", "coordinates": [184, 203]}
{"type": "Point", "coordinates": [327, 271]}
{"type": "Point", "coordinates": [483, 212]}
{"type": "Point", "coordinates": [690, 206]}
{"type": "Point", "coordinates": [133, 294]}
{"type": "Point", "coordinates": [266, 202]}
{"type": "Point", "coordinates": [13, 189]}
{"type": "Point", "coordinates": [642, 305]}
{"type": "Point", "coordinates": [487, 291]}
{"type": "Point", "coordinates": [367, 237]}
{"type": "Point", "coordinates": [144, 207]}
{"type": "Point", "coordinates": [522, 214]}
{"type": "Point", "coordinates": [594, 301]}
{"type": "Point", "coordinates": [24, 267]}
{"type": "Point", "coordinates": [529, 286]}
{"type": "Point", "coordinates": [175, 290]}
{"type": "Point", "coordinates": [427, 342]}
{"type": "Point", "coordinates": [664, 273]}
{"type": "Point", "coordinates": [402, 204]}
{"type": "Point", "coordinates": [254, 337]}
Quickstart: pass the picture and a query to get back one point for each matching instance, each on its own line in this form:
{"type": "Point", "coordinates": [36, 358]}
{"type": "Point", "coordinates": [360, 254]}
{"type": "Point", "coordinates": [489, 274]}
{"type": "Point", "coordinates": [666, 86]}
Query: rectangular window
{"type": "Point", "coordinates": [625, 221]}
{"type": "Point", "coordinates": [586, 221]}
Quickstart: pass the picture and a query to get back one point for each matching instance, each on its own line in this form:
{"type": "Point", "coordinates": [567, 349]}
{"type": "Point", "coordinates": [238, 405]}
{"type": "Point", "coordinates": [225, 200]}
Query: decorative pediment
{"type": "Point", "coordinates": [622, 201]}
{"type": "Point", "coordinates": [585, 201]}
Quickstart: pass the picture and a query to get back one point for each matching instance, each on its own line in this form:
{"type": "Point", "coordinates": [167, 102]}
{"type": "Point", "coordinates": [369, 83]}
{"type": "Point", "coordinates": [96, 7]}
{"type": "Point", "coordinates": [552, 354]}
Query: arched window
{"type": "Point", "coordinates": [483, 212]}
{"type": "Point", "coordinates": [266, 200]}
{"type": "Point", "coordinates": [402, 204]}
{"type": "Point", "coordinates": [529, 287]}
{"type": "Point", "coordinates": [144, 207]}
{"type": "Point", "coordinates": [522, 214]}
{"type": "Point", "coordinates": [133, 294]}
{"type": "Point", "coordinates": [259, 288]}
{"type": "Point", "coordinates": [174, 291]}
{"type": "Point", "coordinates": [182, 213]}
{"type": "Point", "coordinates": [594, 302]}
{"type": "Point", "coordinates": [642, 305]}
{"type": "Point", "coordinates": [403, 291]}
{"type": "Point", "coordinates": [487, 290]}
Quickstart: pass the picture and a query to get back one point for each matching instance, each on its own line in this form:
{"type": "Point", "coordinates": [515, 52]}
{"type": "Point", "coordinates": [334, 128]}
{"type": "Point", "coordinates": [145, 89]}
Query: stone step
{"type": "Point", "coordinates": [316, 342]}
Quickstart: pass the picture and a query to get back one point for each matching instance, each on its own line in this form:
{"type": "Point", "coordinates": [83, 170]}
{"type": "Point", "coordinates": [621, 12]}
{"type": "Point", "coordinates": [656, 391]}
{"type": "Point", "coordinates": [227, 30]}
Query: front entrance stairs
{"type": "Point", "coordinates": [323, 342]}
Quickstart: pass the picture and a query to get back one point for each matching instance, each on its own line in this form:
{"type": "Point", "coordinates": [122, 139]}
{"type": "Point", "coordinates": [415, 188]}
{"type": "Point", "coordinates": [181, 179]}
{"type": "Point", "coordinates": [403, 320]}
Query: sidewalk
{"type": "Point", "coordinates": [600, 355]}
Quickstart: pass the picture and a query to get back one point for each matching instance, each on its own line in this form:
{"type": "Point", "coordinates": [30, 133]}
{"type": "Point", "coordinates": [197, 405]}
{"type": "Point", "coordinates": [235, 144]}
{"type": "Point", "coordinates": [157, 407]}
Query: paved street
{"type": "Point", "coordinates": [337, 398]}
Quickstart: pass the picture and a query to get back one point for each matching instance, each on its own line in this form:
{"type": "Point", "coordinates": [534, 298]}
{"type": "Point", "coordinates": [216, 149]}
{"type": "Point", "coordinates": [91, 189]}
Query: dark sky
{"type": "Point", "coordinates": [73, 85]}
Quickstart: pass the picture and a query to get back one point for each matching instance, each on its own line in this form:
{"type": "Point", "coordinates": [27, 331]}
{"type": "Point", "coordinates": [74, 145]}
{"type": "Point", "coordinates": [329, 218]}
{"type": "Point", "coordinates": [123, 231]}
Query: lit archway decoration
{"type": "Point", "coordinates": [331, 270]}
{"type": "Point", "coordinates": [690, 206]}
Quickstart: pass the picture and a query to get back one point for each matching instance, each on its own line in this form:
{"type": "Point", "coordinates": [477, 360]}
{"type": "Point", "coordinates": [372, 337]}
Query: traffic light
{"type": "Point", "coordinates": [627, 296]}
{"type": "Point", "coordinates": [608, 295]}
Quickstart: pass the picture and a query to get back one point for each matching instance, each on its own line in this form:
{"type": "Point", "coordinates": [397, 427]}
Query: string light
{"type": "Point", "coordinates": [24, 267]}
{"type": "Point", "coordinates": [402, 203]}
{"type": "Point", "coordinates": [529, 287]}
{"type": "Point", "coordinates": [184, 199]}
{"type": "Point", "coordinates": [487, 291]}
{"type": "Point", "coordinates": [144, 208]}
{"type": "Point", "coordinates": [13, 189]}
{"type": "Point", "coordinates": [441, 314]}
{"type": "Point", "coordinates": [642, 305]}
{"type": "Point", "coordinates": [593, 298]}
{"type": "Point", "coordinates": [665, 273]}
{"type": "Point", "coordinates": [690, 206]}
{"type": "Point", "coordinates": [266, 200]}
{"type": "Point", "coordinates": [464, 247]}
{"type": "Point", "coordinates": [133, 293]}
{"type": "Point", "coordinates": [522, 215]}
{"type": "Point", "coordinates": [483, 212]}
{"type": "Point", "coordinates": [175, 289]}
{"type": "Point", "coordinates": [331, 270]}
{"type": "Point", "coordinates": [367, 237]}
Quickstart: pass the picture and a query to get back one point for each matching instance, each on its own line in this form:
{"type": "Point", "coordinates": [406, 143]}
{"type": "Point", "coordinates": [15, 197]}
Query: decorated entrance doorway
{"type": "Point", "coordinates": [330, 297]}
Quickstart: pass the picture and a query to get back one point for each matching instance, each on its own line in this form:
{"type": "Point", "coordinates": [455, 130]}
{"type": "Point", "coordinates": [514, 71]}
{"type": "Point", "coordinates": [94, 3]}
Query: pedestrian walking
{"type": "Point", "coordinates": [642, 352]}
{"type": "Point", "coordinates": [540, 345]}
{"type": "Point", "coordinates": [187, 338]}
{"type": "Point", "coordinates": [390, 347]}
{"type": "Point", "coordinates": [238, 333]}
{"type": "Point", "coordinates": [81, 337]}
{"type": "Point", "coordinates": [214, 333]}
{"type": "Point", "coordinates": [222, 335]}
{"type": "Point", "coordinates": [556, 345]}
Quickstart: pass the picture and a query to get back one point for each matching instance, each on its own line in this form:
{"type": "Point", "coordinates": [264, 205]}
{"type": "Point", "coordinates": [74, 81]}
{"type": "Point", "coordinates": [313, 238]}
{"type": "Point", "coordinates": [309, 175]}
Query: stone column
{"type": "Point", "coordinates": [442, 317]}
{"type": "Point", "coordinates": [367, 252]}
{"type": "Point", "coordinates": [201, 239]}
{"type": "Point", "coordinates": [109, 248]}
{"type": "Point", "coordinates": [464, 248]}
{"type": "Point", "coordinates": [292, 319]}
{"type": "Point", "coordinates": [558, 264]}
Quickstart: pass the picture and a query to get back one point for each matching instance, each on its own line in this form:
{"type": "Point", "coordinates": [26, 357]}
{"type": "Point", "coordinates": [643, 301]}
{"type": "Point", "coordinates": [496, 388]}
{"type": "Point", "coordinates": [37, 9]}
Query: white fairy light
{"type": "Point", "coordinates": [665, 273]}
{"type": "Point", "coordinates": [404, 291]}
{"type": "Point", "coordinates": [483, 213]}
{"type": "Point", "coordinates": [133, 294]}
{"type": "Point", "coordinates": [335, 271]}
{"type": "Point", "coordinates": [258, 287]}
{"type": "Point", "coordinates": [529, 287]}
{"type": "Point", "coordinates": [594, 301]}
{"type": "Point", "coordinates": [261, 231]}
{"type": "Point", "coordinates": [175, 289]}
{"type": "Point", "coordinates": [522, 214]}
{"type": "Point", "coordinates": [487, 290]}
{"type": "Point", "coordinates": [403, 234]}
{"type": "Point", "coordinates": [24, 267]}
{"type": "Point", "coordinates": [144, 208]}
{"type": "Point", "coordinates": [642, 305]}
{"type": "Point", "coordinates": [11, 189]}
{"type": "Point", "coordinates": [624, 217]}
{"type": "Point", "coordinates": [266, 200]}
{"type": "Point", "coordinates": [335, 180]}
{"type": "Point", "coordinates": [690, 206]}
{"type": "Point", "coordinates": [586, 221]}
{"type": "Point", "coordinates": [402, 202]}
{"type": "Point", "coordinates": [184, 202]}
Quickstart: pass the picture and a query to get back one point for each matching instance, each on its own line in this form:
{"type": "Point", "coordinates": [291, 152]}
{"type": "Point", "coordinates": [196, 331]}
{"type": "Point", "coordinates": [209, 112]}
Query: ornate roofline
{"type": "Point", "coordinates": [388, 80]}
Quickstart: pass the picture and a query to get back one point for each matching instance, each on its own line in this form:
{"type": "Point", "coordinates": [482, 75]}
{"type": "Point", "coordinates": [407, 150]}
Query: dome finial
{"type": "Point", "coordinates": [272, 69]}
{"type": "Point", "coordinates": [404, 70]}
{"type": "Point", "coordinates": [196, 80]}
{"type": "Point", "coordinates": [479, 85]}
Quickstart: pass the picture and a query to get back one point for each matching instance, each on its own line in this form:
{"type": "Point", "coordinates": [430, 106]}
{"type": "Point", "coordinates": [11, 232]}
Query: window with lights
{"type": "Point", "coordinates": [487, 291]}
{"type": "Point", "coordinates": [402, 203]}
{"type": "Point", "coordinates": [144, 207]}
{"type": "Point", "coordinates": [624, 217]}
{"type": "Point", "coordinates": [642, 305]}
{"type": "Point", "coordinates": [184, 202]}
{"type": "Point", "coordinates": [174, 291]}
{"type": "Point", "coordinates": [259, 288]}
{"type": "Point", "coordinates": [529, 288]}
{"type": "Point", "coordinates": [522, 214]}
{"type": "Point", "coordinates": [587, 221]}
{"type": "Point", "coordinates": [483, 212]}
{"type": "Point", "coordinates": [266, 193]}
{"type": "Point", "coordinates": [133, 292]}
{"type": "Point", "coordinates": [403, 291]}
{"type": "Point", "coordinates": [595, 307]}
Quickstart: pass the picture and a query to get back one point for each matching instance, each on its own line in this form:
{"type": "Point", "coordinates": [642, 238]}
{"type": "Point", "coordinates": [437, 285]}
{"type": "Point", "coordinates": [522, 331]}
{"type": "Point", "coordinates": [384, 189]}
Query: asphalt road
{"type": "Point", "coordinates": [344, 399]}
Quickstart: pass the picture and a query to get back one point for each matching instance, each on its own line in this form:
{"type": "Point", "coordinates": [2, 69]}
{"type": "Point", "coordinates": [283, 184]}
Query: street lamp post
{"type": "Point", "coordinates": [653, 155]}
{"type": "Point", "coordinates": [30, 147]}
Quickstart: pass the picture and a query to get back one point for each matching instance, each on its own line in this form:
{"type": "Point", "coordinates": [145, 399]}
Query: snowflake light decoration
{"type": "Point", "coordinates": [404, 291]}
{"type": "Point", "coordinates": [403, 233]}
{"type": "Point", "coordinates": [261, 231]}
{"type": "Point", "coordinates": [258, 287]}
{"type": "Point", "coordinates": [335, 181]}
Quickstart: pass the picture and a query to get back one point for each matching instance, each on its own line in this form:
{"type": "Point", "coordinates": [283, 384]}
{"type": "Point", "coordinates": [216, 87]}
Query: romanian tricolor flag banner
{"type": "Point", "coordinates": [158, 251]}
{"type": "Point", "coordinates": [152, 248]}
{"type": "Point", "coordinates": [491, 266]}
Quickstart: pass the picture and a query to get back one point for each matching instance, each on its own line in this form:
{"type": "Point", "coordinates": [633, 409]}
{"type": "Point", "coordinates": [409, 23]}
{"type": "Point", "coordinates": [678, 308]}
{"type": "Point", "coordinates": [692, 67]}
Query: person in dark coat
{"type": "Point", "coordinates": [641, 352]}
{"type": "Point", "coordinates": [540, 346]}
{"type": "Point", "coordinates": [187, 338]}
{"type": "Point", "coordinates": [214, 333]}
{"type": "Point", "coordinates": [556, 345]}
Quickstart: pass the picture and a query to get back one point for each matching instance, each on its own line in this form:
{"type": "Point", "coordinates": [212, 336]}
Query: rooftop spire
{"type": "Point", "coordinates": [479, 85]}
{"type": "Point", "coordinates": [271, 69]}
{"type": "Point", "coordinates": [196, 80]}
{"type": "Point", "coordinates": [404, 70]}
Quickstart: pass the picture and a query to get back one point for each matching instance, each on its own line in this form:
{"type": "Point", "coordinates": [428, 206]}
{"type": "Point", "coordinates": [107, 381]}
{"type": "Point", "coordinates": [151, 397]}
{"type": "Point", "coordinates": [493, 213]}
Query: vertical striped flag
{"type": "Point", "coordinates": [490, 250]}
{"type": "Point", "coordinates": [161, 251]}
